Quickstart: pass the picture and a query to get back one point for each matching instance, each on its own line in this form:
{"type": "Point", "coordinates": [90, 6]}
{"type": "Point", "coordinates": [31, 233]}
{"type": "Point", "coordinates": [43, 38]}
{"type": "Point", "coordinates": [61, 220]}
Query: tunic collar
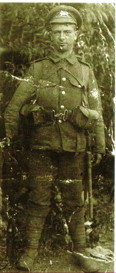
{"type": "Point", "coordinates": [55, 58]}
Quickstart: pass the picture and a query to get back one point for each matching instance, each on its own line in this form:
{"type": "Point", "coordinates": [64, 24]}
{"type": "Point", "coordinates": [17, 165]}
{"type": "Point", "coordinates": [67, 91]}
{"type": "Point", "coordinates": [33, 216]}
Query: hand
{"type": "Point", "coordinates": [5, 143]}
{"type": "Point", "coordinates": [97, 159]}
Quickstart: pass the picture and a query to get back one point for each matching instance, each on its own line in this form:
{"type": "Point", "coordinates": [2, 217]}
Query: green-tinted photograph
{"type": "Point", "coordinates": [57, 82]}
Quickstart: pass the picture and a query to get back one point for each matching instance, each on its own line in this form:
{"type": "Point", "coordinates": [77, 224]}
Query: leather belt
{"type": "Point", "coordinates": [53, 115]}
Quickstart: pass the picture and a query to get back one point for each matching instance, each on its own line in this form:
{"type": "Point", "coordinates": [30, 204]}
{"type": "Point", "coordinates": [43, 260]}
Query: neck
{"type": "Point", "coordinates": [63, 54]}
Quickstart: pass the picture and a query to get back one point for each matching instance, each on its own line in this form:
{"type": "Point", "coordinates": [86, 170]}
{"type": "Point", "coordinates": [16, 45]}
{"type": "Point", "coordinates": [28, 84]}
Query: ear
{"type": "Point", "coordinates": [76, 34]}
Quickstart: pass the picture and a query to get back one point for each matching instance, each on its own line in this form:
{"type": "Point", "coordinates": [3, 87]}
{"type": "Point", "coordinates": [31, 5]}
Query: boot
{"type": "Point", "coordinates": [82, 257]}
{"type": "Point", "coordinates": [77, 232]}
{"type": "Point", "coordinates": [26, 261]}
{"type": "Point", "coordinates": [77, 229]}
{"type": "Point", "coordinates": [34, 230]}
{"type": "Point", "coordinates": [87, 263]}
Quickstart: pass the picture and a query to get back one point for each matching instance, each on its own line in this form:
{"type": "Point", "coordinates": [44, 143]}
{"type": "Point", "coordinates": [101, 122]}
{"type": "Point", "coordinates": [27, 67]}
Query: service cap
{"type": "Point", "coordinates": [63, 14]}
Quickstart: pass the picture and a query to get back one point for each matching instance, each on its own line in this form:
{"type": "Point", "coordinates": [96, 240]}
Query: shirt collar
{"type": "Point", "coordinates": [55, 58]}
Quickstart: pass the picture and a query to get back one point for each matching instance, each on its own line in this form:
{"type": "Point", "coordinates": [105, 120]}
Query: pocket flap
{"type": "Point", "coordinates": [76, 82]}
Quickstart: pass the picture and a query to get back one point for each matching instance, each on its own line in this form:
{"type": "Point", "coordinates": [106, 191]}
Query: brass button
{"type": "Point", "coordinates": [63, 92]}
{"type": "Point", "coordinates": [62, 106]}
{"type": "Point", "coordinates": [63, 79]}
{"type": "Point", "coordinates": [60, 121]}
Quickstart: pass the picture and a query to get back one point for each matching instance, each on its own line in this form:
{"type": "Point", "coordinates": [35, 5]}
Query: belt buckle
{"type": "Point", "coordinates": [65, 115]}
{"type": "Point", "coordinates": [60, 116]}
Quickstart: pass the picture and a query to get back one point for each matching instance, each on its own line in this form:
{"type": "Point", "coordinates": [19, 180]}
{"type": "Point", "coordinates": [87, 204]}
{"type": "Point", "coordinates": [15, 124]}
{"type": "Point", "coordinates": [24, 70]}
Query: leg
{"type": "Point", "coordinates": [71, 173]}
{"type": "Point", "coordinates": [42, 172]}
{"type": "Point", "coordinates": [71, 170]}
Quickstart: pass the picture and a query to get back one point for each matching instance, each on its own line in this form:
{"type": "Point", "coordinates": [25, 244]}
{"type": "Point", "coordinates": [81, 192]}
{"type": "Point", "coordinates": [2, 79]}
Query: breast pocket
{"type": "Point", "coordinates": [74, 96]}
{"type": "Point", "coordinates": [78, 92]}
{"type": "Point", "coordinates": [47, 94]}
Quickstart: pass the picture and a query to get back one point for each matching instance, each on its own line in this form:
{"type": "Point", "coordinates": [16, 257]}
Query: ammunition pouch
{"type": "Point", "coordinates": [36, 111]}
{"type": "Point", "coordinates": [84, 117]}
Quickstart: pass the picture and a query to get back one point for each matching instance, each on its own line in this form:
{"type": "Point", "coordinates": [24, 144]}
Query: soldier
{"type": "Point", "coordinates": [61, 93]}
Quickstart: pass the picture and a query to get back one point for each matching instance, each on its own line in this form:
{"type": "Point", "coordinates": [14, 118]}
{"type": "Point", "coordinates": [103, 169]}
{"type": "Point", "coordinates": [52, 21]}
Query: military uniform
{"type": "Point", "coordinates": [59, 86]}
{"type": "Point", "coordinates": [63, 98]}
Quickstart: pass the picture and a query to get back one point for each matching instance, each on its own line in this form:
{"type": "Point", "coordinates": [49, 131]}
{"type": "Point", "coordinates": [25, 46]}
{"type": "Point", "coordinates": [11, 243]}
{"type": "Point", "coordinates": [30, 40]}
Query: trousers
{"type": "Point", "coordinates": [66, 170]}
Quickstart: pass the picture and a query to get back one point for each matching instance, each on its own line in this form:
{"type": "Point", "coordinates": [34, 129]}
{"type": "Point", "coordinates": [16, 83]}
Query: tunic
{"type": "Point", "coordinates": [58, 85]}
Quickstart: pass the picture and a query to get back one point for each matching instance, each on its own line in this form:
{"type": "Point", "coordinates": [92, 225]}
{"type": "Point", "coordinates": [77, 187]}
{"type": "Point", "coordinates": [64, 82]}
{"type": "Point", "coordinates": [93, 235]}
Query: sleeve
{"type": "Point", "coordinates": [94, 101]}
{"type": "Point", "coordinates": [25, 91]}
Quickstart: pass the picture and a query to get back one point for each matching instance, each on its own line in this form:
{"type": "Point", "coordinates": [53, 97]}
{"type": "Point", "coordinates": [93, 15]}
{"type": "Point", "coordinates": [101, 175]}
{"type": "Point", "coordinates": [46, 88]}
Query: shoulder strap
{"type": "Point", "coordinates": [39, 60]}
{"type": "Point", "coordinates": [80, 59]}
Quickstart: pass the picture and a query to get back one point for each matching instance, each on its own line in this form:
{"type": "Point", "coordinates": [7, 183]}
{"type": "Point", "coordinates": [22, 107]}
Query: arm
{"type": "Point", "coordinates": [88, 115]}
{"type": "Point", "coordinates": [94, 101]}
{"type": "Point", "coordinates": [25, 91]}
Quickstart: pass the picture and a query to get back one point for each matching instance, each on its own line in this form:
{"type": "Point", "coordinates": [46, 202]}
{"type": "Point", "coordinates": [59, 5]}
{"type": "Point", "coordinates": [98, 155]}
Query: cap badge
{"type": "Point", "coordinates": [64, 13]}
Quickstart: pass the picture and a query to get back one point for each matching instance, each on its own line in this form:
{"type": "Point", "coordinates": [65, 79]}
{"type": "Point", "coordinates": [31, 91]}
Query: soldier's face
{"type": "Point", "coordinates": [63, 36]}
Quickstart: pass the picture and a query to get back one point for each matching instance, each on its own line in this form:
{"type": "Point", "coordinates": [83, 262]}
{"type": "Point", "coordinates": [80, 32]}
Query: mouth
{"type": "Point", "coordinates": [61, 45]}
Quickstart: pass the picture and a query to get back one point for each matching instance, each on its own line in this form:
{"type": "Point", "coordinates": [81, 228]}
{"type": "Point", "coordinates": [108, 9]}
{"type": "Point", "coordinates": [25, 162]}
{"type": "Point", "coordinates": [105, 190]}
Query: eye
{"type": "Point", "coordinates": [56, 32]}
{"type": "Point", "coordinates": [67, 31]}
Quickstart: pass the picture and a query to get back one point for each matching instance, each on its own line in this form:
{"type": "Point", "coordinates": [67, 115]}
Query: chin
{"type": "Point", "coordinates": [63, 49]}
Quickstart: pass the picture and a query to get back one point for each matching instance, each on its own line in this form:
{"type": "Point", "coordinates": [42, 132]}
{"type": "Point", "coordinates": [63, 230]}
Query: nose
{"type": "Point", "coordinates": [62, 35]}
